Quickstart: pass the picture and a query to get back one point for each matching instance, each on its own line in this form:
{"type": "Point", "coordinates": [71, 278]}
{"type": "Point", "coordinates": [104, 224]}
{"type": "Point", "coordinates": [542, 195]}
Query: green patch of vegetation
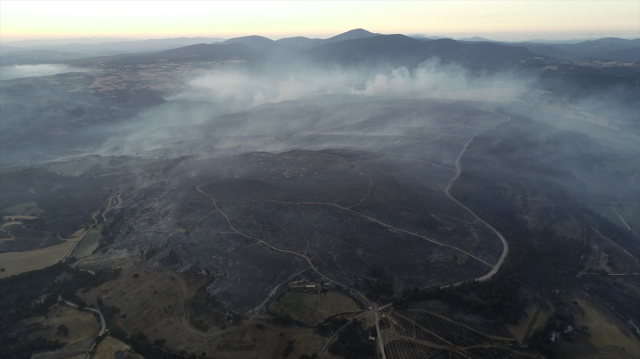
{"type": "Point", "coordinates": [138, 342]}
{"type": "Point", "coordinates": [109, 313]}
{"type": "Point", "coordinates": [24, 209]}
{"type": "Point", "coordinates": [312, 309]}
{"type": "Point", "coordinates": [32, 294]}
{"type": "Point", "coordinates": [62, 330]}
{"type": "Point", "coordinates": [288, 349]}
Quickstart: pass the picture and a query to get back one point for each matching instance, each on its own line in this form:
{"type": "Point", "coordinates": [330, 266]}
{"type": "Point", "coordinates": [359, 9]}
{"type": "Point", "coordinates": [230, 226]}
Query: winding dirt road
{"type": "Point", "coordinates": [505, 245]}
{"type": "Point", "coordinates": [261, 241]}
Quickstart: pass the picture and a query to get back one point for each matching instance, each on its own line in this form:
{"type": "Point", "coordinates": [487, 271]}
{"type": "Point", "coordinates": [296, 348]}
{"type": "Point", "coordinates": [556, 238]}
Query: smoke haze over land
{"type": "Point", "coordinates": [19, 71]}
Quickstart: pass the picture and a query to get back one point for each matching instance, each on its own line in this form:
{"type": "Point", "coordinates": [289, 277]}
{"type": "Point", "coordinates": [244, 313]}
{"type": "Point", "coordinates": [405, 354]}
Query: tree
{"type": "Point", "coordinates": [62, 330]}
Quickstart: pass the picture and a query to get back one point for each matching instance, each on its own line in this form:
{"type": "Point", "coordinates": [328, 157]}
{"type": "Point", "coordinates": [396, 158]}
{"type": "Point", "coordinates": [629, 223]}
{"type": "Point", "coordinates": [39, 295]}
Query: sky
{"type": "Point", "coordinates": [500, 20]}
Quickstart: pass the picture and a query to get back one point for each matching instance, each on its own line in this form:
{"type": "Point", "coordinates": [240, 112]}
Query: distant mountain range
{"type": "Point", "coordinates": [110, 48]}
{"type": "Point", "coordinates": [400, 50]}
{"type": "Point", "coordinates": [354, 47]}
{"type": "Point", "coordinates": [191, 53]}
{"type": "Point", "coordinates": [264, 44]}
{"type": "Point", "coordinates": [609, 48]}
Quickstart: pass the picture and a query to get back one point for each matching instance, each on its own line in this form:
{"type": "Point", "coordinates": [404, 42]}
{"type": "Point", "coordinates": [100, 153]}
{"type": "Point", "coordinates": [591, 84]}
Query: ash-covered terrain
{"type": "Point", "coordinates": [364, 195]}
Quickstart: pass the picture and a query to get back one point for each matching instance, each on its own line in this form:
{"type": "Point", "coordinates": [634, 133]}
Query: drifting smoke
{"type": "Point", "coordinates": [237, 91]}
{"type": "Point", "coordinates": [19, 71]}
{"type": "Point", "coordinates": [162, 130]}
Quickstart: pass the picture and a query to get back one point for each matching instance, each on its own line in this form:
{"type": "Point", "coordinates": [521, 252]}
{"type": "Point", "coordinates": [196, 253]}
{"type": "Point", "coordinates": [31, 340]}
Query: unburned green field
{"type": "Point", "coordinates": [313, 309]}
{"type": "Point", "coordinates": [24, 209]}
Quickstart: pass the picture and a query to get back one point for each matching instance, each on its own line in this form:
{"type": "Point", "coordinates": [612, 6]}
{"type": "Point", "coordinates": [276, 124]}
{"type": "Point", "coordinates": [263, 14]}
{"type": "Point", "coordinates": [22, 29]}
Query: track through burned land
{"type": "Point", "coordinates": [357, 219]}
{"type": "Point", "coordinates": [330, 237]}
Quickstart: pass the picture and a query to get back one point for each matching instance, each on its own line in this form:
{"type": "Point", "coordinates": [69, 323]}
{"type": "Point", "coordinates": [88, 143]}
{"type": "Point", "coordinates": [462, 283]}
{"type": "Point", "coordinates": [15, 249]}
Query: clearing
{"type": "Point", "coordinates": [81, 325]}
{"type": "Point", "coordinates": [604, 327]}
{"type": "Point", "coordinates": [108, 348]}
{"type": "Point", "coordinates": [27, 209]}
{"type": "Point", "coordinates": [20, 262]}
{"type": "Point", "coordinates": [313, 309]}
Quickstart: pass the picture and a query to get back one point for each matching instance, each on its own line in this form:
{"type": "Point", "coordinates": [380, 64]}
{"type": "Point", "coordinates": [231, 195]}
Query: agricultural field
{"type": "Point", "coordinates": [143, 295]}
{"type": "Point", "coordinates": [20, 262]}
{"type": "Point", "coordinates": [87, 244]}
{"type": "Point", "coordinates": [28, 209]}
{"type": "Point", "coordinates": [429, 330]}
{"type": "Point", "coordinates": [313, 309]}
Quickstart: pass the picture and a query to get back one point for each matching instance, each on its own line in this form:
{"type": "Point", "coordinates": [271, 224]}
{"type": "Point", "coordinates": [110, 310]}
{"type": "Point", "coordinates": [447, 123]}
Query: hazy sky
{"type": "Point", "coordinates": [505, 20]}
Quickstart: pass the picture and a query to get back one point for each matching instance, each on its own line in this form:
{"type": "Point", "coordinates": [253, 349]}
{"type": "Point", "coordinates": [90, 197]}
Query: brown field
{"type": "Point", "coordinates": [82, 324]}
{"type": "Point", "coordinates": [20, 262]}
{"type": "Point", "coordinates": [13, 218]}
{"type": "Point", "coordinates": [605, 329]}
{"type": "Point", "coordinates": [313, 309]}
{"type": "Point", "coordinates": [270, 342]}
{"type": "Point", "coordinates": [12, 223]}
{"type": "Point", "coordinates": [108, 348]}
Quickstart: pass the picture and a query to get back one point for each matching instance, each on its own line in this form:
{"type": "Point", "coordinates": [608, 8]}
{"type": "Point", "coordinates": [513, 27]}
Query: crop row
{"type": "Point", "coordinates": [495, 353]}
{"type": "Point", "coordinates": [400, 349]}
{"type": "Point", "coordinates": [452, 331]}
{"type": "Point", "coordinates": [410, 330]}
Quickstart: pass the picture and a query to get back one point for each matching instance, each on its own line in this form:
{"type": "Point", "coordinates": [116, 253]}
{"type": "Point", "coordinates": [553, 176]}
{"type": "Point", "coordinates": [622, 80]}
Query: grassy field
{"type": "Point", "coordinates": [87, 244]}
{"type": "Point", "coordinates": [313, 309]}
{"type": "Point", "coordinates": [16, 217]}
{"type": "Point", "coordinates": [605, 329]}
{"type": "Point", "coordinates": [108, 347]}
{"type": "Point", "coordinates": [82, 325]}
{"type": "Point", "coordinates": [29, 209]}
{"type": "Point", "coordinates": [20, 262]}
{"type": "Point", "coordinates": [12, 223]}
{"type": "Point", "coordinates": [143, 301]}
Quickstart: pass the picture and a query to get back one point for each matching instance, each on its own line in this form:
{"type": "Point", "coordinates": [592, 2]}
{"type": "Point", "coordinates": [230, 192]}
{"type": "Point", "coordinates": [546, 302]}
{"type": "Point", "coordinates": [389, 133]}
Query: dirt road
{"type": "Point", "coordinates": [505, 245]}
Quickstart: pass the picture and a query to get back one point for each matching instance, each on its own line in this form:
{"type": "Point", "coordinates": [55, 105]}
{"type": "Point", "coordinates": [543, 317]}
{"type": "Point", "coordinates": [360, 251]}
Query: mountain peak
{"type": "Point", "coordinates": [353, 34]}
